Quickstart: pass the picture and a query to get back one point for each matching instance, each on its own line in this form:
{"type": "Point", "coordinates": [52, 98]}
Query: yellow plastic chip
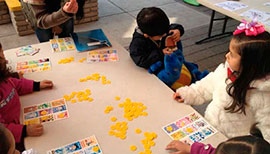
{"type": "Point", "coordinates": [96, 149]}
{"type": "Point", "coordinates": [90, 99]}
{"type": "Point", "coordinates": [113, 119]}
{"type": "Point", "coordinates": [133, 148]}
{"type": "Point", "coordinates": [43, 112]}
{"type": "Point", "coordinates": [111, 132]}
{"type": "Point", "coordinates": [123, 137]}
{"type": "Point", "coordinates": [117, 98]}
{"type": "Point", "coordinates": [73, 101]}
{"type": "Point", "coordinates": [138, 131]}
{"type": "Point", "coordinates": [169, 128]}
{"type": "Point", "coordinates": [61, 115]}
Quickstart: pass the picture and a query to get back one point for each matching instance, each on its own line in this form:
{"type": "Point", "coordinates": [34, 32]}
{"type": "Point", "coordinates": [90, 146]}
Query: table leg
{"type": "Point", "coordinates": [211, 26]}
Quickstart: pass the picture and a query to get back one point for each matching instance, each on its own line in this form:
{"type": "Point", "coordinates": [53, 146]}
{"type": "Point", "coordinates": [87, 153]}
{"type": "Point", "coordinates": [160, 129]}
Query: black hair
{"type": "Point", "coordinates": [254, 64]}
{"type": "Point", "coordinates": [249, 144]}
{"type": "Point", "coordinates": [4, 141]}
{"type": "Point", "coordinates": [153, 21]}
{"type": "Point", "coordinates": [5, 71]}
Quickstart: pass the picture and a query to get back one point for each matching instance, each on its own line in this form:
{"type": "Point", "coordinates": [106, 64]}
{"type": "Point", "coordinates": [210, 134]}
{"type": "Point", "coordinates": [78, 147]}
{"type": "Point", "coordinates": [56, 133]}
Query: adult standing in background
{"type": "Point", "coordinates": [51, 18]}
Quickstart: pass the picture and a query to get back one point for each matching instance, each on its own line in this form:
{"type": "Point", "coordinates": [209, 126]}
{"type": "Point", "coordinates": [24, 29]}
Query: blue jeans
{"type": "Point", "coordinates": [45, 35]}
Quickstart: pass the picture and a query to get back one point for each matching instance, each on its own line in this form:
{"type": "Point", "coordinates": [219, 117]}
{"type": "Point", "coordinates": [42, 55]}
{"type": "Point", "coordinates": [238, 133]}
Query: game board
{"type": "Point", "coordinates": [62, 44]}
{"type": "Point", "coordinates": [34, 65]}
{"type": "Point", "coordinates": [88, 145]}
{"type": "Point", "coordinates": [27, 50]}
{"type": "Point", "coordinates": [45, 112]}
{"type": "Point", "coordinates": [189, 129]}
{"type": "Point", "coordinates": [102, 56]}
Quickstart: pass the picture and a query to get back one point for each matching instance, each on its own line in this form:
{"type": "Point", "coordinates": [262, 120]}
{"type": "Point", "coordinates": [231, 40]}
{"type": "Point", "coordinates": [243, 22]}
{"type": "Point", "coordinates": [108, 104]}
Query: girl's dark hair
{"type": "Point", "coordinates": [4, 144]}
{"type": "Point", "coordinates": [250, 144]}
{"type": "Point", "coordinates": [254, 64]}
{"type": "Point", "coordinates": [153, 21]}
{"type": "Point", "coordinates": [5, 72]}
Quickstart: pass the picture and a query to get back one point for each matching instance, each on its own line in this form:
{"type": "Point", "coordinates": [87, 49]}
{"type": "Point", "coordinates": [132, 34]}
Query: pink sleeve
{"type": "Point", "coordinates": [16, 129]}
{"type": "Point", "coordinates": [200, 148]}
{"type": "Point", "coordinates": [23, 86]}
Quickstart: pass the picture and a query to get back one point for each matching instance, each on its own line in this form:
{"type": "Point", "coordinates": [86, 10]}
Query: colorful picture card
{"type": "Point", "coordinates": [34, 65]}
{"type": "Point", "coordinates": [45, 112]}
{"type": "Point", "coordinates": [62, 44]}
{"type": "Point", "coordinates": [27, 50]}
{"type": "Point", "coordinates": [189, 129]}
{"type": "Point", "coordinates": [231, 5]}
{"type": "Point", "coordinates": [102, 56]}
{"type": "Point", "coordinates": [254, 13]}
{"type": "Point", "coordinates": [88, 145]}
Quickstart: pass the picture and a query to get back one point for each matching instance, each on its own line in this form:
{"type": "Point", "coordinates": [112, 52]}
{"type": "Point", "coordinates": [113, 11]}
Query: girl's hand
{"type": "Point", "coordinates": [71, 7]}
{"type": "Point", "coordinates": [178, 98]}
{"type": "Point", "coordinates": [179, 147]}
{"type": "Point", "coordinates": [20, 75]}
{"type": "Point", "coordinates": [34, 130]}
{"type": "Point", "coordinates": [46, 84]}
{"type": "Point", "coordinates": [175, 35]}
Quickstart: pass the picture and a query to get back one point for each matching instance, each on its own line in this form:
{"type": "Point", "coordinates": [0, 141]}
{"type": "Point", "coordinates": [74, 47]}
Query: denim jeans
{"type": "Point", "coordinates": [45, 35]}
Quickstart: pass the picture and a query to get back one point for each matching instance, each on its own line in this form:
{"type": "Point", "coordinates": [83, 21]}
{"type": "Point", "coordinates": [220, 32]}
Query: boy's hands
{"type": "Point", "coordinates": [179, 147]}
{"type": "Point", "coordinates": [46, 84]}
{"type": "Point", "coordinates": [34, 130]}
{"type": "Point", "coordinates": [167, 51]}
{"type": "Point", "coordinates": [175, 35]}
{"type": "Point", "coordinates": [178, 98]}
{"type": "Point", "coordinates": [71, 7]}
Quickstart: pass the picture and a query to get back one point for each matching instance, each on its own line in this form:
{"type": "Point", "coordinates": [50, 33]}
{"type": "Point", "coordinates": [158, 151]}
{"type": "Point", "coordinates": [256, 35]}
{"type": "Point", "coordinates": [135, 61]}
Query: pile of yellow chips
{"type": "Point", "coordinates": [66, 60]}
{"type": "Point", "coordinates": [81, 96]}
{"type": "Point", "coordinates": [133, 110]}
{"type": "Point", "coordinates": [148, 142]}
{"type": "Point", "coordinates": [119, 130]}
{"type": "Point", "coordinates": [96, 77]}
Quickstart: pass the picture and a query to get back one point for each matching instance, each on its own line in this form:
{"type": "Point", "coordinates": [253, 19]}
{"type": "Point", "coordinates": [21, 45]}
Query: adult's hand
{"type": "Point", "coordinates": [57, 30]}
{"type": "Point", "coordinates": [71, 7]}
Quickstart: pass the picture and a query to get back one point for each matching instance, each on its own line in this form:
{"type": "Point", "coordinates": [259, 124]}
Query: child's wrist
{"type": "Point", "coordinates": [24, 132]}
{"type": "Point", "coordinates": [36, 86]}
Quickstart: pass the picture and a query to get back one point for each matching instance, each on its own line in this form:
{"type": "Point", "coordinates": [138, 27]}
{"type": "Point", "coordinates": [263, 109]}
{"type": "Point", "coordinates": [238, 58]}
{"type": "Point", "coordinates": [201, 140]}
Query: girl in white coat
{"type": "Point", "coordinates": [239, 90]}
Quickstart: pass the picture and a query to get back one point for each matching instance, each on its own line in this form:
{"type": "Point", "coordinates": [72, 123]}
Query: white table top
{"type": "Point", "coordinates": [88, 118]}
{"type": "Point", "coordinates": [252, 4]}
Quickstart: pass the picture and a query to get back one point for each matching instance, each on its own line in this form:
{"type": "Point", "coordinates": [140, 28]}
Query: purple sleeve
{"type": "Point", "coordinates": [23, 86]}
{"type": "Point", "coordinates": [200, 148]}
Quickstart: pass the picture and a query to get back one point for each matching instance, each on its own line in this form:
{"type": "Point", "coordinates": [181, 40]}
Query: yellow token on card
{"type": "Point", "coordinates": [95, 149]}
{"type": "Point", "coordinates": [169, 128]}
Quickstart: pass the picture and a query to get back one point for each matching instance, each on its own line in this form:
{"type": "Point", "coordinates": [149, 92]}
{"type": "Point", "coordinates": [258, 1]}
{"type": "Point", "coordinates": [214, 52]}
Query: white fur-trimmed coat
{"type": "Point", "coordinates": [213, 88]}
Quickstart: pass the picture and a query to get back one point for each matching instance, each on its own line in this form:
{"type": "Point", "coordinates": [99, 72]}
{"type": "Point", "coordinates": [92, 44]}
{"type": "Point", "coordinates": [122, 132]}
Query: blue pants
{"type": "Point", "coordinates": [45, 35]}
